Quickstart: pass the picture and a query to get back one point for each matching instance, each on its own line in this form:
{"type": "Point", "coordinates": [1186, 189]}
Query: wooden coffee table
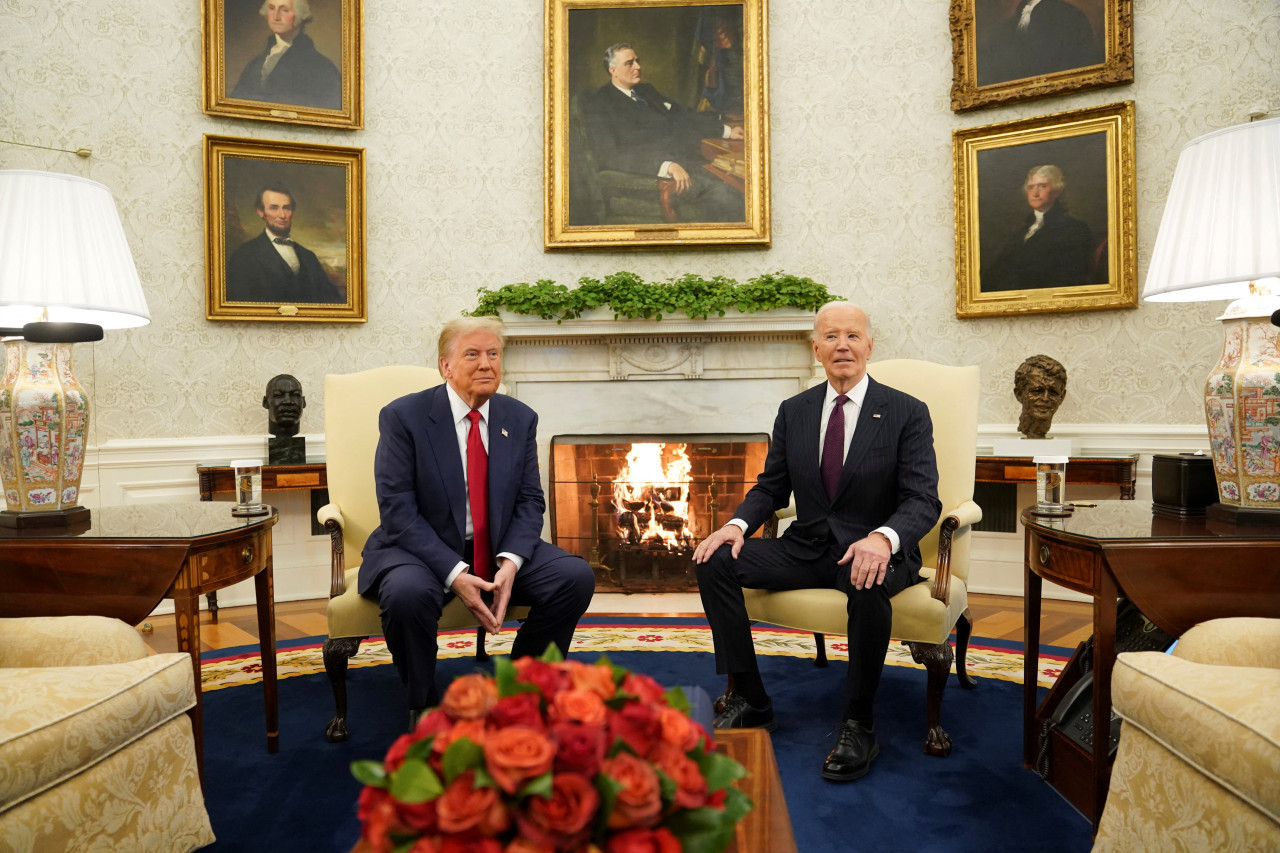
{"type": "Point", "coordinates": [767, 827]}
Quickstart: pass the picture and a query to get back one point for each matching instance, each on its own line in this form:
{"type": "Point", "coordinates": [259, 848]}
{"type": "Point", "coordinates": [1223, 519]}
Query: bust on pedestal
{"type": "Point", "coordinates": [284, 404]}
{"type": "Point", "coordinates": [1039, 384]}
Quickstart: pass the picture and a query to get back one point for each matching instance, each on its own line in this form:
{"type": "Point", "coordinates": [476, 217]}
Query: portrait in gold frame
{"type": "Point", "coordinates": [317, 80]}
{"type": "Point", "coordinates": [284, 231]}
{"type": "Point", "coordinates": [1078, 253]}
{"type": "Point", "coordinates": [1062, 46]}
{"type": "Point", "coordinates": [703, 59]}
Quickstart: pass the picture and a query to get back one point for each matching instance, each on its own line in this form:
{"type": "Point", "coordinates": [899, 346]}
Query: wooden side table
{"type": "Point", "coordinates": [133, 557]}
{"type": "Point", "coordinates": [1178, 572]}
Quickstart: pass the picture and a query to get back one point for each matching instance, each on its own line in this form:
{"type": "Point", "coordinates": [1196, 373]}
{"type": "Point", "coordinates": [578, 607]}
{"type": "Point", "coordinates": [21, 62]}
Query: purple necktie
{"type": "Point", "coordinates": [833, 448]}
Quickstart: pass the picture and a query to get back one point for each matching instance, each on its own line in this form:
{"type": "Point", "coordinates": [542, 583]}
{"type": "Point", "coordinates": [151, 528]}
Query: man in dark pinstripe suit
{"type": "Point", "coordinates": [858, 458]}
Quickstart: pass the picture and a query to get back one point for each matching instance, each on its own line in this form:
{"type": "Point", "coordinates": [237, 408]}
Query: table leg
{"type": "Point", "coordinates": [186, 612]}
{"type": "Point", "coordinates": [1032, 587]}
{"type": "Point", "coordinates": [265, 594]}
{"type": "Point", "coordinates": [1104, 656]}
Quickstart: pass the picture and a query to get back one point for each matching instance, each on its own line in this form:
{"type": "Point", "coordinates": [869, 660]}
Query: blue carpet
{"type": "Point", "coordinates": [978, 799]}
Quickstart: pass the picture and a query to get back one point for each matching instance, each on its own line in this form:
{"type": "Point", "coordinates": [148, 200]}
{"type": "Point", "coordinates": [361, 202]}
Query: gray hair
{"type": "Point", "coordinates": [611, 53]}
{"type": "Point", "coordinates": [841, 303]}
{"type": "Point", "coordinates": [455, 329]}
{"type": "Point", "coordinates": [1053, 173]}
{"type": "Point", "coordinates": [301, 7]}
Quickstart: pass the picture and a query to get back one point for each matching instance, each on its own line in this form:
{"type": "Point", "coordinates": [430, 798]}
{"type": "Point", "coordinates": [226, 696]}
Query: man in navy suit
{"type": "Point", "coordinates": [857, 457]}
{"type": "Point", "coordinates": [435, 509]}
{"type": "Point", "coordinates": [273, 267]}
{"type": "Point", "coordinates": [632, 127]}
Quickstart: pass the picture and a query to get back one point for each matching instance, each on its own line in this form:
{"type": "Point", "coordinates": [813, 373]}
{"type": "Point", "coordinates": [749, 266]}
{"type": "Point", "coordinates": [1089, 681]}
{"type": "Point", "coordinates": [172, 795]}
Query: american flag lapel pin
{"type": "Point", "coordinates": [875, 415]}
{"type": "Point", "coordinates": [504, 432]}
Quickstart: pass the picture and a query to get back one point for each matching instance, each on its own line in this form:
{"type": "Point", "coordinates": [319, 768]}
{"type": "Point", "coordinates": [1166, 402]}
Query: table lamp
{"type": "Point", "coordinates": [66, 273]}
{"type": "Point", "coordinates": [1219, 238]}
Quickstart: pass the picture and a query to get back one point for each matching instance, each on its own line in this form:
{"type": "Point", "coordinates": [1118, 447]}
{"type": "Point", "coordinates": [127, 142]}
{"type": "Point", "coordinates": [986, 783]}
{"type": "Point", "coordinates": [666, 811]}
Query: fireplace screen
{"type": "Point", "coordinates": [636, 506]}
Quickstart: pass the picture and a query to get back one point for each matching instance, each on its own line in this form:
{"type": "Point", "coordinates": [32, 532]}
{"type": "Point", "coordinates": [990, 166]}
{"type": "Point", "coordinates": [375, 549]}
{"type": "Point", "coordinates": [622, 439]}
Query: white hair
{"type": "Point", "coordinates": [301, 7]}
{"type": "Point", "coordinates": [841, 303]}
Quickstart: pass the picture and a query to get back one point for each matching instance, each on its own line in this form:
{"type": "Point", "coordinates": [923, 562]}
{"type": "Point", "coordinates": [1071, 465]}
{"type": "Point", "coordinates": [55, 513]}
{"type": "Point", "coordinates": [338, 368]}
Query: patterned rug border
{"type": "Point", "coordinates": [303, 657]}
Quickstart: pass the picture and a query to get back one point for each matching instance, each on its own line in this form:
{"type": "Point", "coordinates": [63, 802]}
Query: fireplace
{"type": "Point", "coordinates": [635, 506]}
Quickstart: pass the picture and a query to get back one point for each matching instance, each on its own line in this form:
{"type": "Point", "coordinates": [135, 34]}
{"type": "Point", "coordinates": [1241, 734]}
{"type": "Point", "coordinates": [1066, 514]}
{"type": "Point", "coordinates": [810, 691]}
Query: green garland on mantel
{"type": "Point", "coordinates": [632, 298]}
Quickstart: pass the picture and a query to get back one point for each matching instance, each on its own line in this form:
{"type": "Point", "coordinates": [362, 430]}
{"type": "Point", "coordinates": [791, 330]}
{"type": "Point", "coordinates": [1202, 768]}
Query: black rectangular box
{"type": "Point", "coordinates": [1182, 484]}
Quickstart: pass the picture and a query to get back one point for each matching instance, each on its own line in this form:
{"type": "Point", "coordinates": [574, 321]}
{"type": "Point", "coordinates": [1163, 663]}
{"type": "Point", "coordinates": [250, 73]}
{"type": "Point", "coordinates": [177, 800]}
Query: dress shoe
{"type": "Point", "coordinates": [414, 715]}
{"type": "Point", "coordinates": [851, 757]}
{"type": "Point", "coordinates": [740, 714]}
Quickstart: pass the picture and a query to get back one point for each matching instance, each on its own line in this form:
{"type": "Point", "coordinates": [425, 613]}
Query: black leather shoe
{"type": "Point", "coordinates": [414, 715]}
{"type": "Point", "coordinates": [739, 714]}
{"type": "Point", "coordinates": [851, 757]}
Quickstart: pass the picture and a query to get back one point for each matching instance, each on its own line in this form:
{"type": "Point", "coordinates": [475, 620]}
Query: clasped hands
{"type": "Point", "coordinates": [472, 590]}
{"type": "Point", "coordinates": [868, 558]}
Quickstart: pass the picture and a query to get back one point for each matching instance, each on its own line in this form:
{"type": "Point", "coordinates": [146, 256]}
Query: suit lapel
{"type": "Point", "coordinates": [870, 420]}
{"type": "Point", "coordinates": [444, 444]}
{"type": "Point", "coordinates": [808, 453]}
{"type": "Point", "coordinates": [501, 463]}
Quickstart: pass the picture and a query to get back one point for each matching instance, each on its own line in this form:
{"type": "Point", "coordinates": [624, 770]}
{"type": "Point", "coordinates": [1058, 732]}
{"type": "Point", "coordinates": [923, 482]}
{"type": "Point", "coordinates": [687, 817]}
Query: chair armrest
{"type": "Point", "coordinates": [330, 515]}
{"type": "Point", "coordinates": [1235, 641]}
{"type": "Point", "coordinates": [965, 515]}
{"type": "Point", "coordinates": [49, 641]}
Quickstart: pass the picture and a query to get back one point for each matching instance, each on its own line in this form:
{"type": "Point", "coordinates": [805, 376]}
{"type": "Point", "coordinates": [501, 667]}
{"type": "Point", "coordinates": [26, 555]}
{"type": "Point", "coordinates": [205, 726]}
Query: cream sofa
{"type": "Point", "coordinates": [1198, 768]}
{"type": "Point", "coordinates": [96, 750]}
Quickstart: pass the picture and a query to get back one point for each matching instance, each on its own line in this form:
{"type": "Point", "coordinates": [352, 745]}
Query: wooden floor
{"type": "Point", "coordinates": [997, 617]}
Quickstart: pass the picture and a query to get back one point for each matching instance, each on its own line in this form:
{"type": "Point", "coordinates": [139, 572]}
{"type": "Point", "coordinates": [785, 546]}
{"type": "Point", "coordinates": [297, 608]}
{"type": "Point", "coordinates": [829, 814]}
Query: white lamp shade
{"type": "Point", "coordinates": [63, 249]}
{"type": "Point", "coordinates": [1221, 223]}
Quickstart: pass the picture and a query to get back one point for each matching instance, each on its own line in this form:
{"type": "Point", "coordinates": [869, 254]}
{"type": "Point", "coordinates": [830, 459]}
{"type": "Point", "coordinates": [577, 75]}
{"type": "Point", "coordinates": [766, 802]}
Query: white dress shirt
{"type": "Point", "coordinates": [462, 426]}
{"type": "Point", "coordinates": [285, 250]}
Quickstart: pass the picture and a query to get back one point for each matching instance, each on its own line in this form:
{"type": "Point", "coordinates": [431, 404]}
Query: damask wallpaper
{"type": "Point", "coordinates": [861, 177]}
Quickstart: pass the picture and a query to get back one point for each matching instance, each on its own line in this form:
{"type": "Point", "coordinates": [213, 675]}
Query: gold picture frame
{"type": "Point", "coordinates": [312, 198]}
{"type": "Point", "coordinates": [318, 80]}
{"type": "Point", "coordinates": [609, 178]}
{"type": "Point", "coordinates": [1079, 252]}
{"type": "Point", "coordinates": [1063, 46]}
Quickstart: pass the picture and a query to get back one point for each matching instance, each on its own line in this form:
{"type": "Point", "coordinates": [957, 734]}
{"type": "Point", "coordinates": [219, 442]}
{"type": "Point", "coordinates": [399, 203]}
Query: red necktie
{"type": "Point", "coordinates": [833, 448]}
{"type": "Point", "coordinates": [478, 496]}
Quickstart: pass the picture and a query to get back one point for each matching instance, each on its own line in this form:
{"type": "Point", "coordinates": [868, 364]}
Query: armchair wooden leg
{"type": "Point", "coordinates": [820, 643]}
{"type": "Point", "coordinates": [482, 654]}
{"type": "Point", "coordinates": [937, 662]}
{"type": "Point", "coordinates": [964, 628]}
{"type": "Point", "coordinates": [336, 654]}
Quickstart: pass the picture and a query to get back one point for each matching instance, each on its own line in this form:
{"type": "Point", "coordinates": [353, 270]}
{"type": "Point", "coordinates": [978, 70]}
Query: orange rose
{"type": "Point", "coordinates": [377, 813]}
{"type": "Point", "coordinates": [469, 844]}
{"type": "Point", "coordinates": [658, 840]}
{"type": "Point", "coordinates": [423, 845]}
{"type": "Point", "coordinates": [597, 679]}
{"type": "Point", "coordinates": [580, 706]}
{"type": "Point", "coordinates": [564, 821]}
{"type": "Point", "coordinates": [643, 687]}
{"type": "Point", "coordinates": [639, 802]}
{"type": "Point", "coordinates": [473, 730]}
{"type": "Point", "coordinates": [691, 785]}
{"type": "Point", "coordinates": [470, 697]}
{"type": "Point", "coordinates": [525, 845]}
{"type": "Point", "coordinates": [517, 753]}
{"type": "Point", "coordinates": [462, 807]}
{"type": "Point", "coordinates": [677, 729]}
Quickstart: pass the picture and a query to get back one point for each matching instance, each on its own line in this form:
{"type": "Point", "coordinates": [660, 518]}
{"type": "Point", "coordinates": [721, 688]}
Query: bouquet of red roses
{"type": "Point", "coordinates": [550, 755]}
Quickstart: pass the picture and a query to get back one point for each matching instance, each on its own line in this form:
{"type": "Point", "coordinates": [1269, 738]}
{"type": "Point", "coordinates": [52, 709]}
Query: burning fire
{"type": "Point", "coordinates": [652, 500]}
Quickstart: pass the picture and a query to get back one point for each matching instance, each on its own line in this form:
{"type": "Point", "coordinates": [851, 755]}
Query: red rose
{"type": "Point", "coordinates": [377, 813]}
{"type": "Point", "coordinates": [424, 845]}
{"type": "Point", "coordinates": [464, 807]}
{"type": "Point", "coordinates": [525, 845]}
{"type": "Point", "coordinates": [395, 755]}
{"type": "Point", "coordinates": [521, 709]}
{"type": "Point", "coordinates": [418, 816]}
{"type": "Point", "coordinates": [472, 730]}
{"type": "Point", "coordinates": [432, 723]}
{"type": "Point", "coordinates": [579, 706]}
{"type": "Point", "coordinates": [540, 674]}
{"type": "Point", "coordinates": [637, 725]}
{"type": "Point", "coordinates": [470, 697]}
{"type": "Point", "coordinates": [579, 749]}
{"type": "Point", "coordinates": [564, 821]}
{"type": "Point", "coordinates": [691, 785]}
{"type": "Point", "coordinates": [678, 730]}
{"type": "Point", "coordinates": [469, 844]}
{"type": "Point", "coordinates": [658, 840]}
{"type": "Point", "coordinates": [644, 687]}
{"type": "Point", "coordinates": [515, 754]}
{"type": "Point", "coordinates": [639, 802]}
{"type": "Point", "coordinates": [597, 679]}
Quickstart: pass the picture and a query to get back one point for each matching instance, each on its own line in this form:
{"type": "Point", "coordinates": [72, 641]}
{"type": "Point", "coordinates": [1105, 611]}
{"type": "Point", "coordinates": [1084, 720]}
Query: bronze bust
{"type": "Point", "coordinates": [1039, 384]}
{"type": "Point", "coordinates": [284, 404]}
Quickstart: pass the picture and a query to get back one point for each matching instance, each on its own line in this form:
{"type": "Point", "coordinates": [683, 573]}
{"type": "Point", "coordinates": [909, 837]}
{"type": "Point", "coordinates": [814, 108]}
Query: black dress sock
{"type": "Point", "coordinates": [749, 686]}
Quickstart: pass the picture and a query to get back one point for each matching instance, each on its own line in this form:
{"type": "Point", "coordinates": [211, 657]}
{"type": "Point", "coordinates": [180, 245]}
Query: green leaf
{"type": "Point", "coordinates": [415, 782]}
{"type": "Point", "coordinates": [551, 654]}
{"type": "Point", "coordinates": [461, 756]}
{"type": "Point", "coordinates": [719, 770]}
{"type": "Point", "coordinates": [538, 786]}
{"type": "Point", "coordinates": [676, 698]}
{"type": "Point", "coordinates": [666, 785]}
{"type": "Point", "coordinates": [704, 830]}
{"type": "Point", "coordinates": [371, 773]}
{"type": "Point", "coordinates": [506, 678]}
{"type": "Point", "coordinates": [420, 748]}
{"type": "Point", "coordinates": [609, 789]}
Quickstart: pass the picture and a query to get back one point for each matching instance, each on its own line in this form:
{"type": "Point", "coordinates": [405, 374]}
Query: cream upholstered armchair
{"type": "Point", "coordinates": [925, 613]}
{"type": "Point", "coordinates": [352, 402]}
{"type": "Point", "coordinates": [96, 749]}
{"type": "Point", "coordinates": [1198, 766]}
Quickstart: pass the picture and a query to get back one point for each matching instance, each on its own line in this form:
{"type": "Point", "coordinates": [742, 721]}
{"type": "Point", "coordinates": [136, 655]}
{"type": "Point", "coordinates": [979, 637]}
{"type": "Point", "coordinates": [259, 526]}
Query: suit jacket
{"type": "Point", "coordinates": [1058, 37]}
{"type": "Point", "coordinates": [257, 273]}
{"type": "Point", "coordinates": [630, 137]}
{"type": "Point", "coordinates": [1059, 254]}
{"type": "Point", "coordinates": [422, 497]}
{"type": "Point", "coordinates": [889, 479]}
{"type": "Point", "coordinates": [303, 77]}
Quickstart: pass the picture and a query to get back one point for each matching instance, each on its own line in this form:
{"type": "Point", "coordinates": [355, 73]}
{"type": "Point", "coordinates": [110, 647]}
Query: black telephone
{"type": "Point", "coordinates": [1074, 714]}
